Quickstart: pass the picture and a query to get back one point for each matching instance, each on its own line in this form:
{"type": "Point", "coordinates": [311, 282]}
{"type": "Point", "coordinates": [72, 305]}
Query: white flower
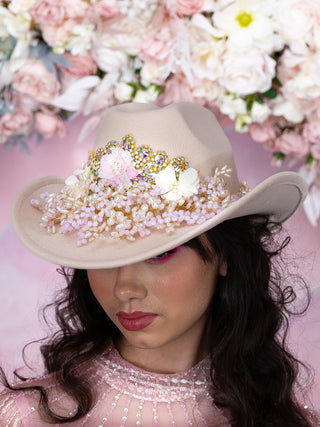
{"type": "Point", "coordinates": [18, 6]}
{"type": "Point", "coordinates": [174, 189]}
{"type": "Point", "coordinates": [81, 39]}
{"type": "Point", "coordinates": [249, 73]}
{"type": "Point", "coordinates": [17, 26]}
{"type": "Point", "coordinates": [206, 48]}
{"type": "Point", "coordinates": [75, 95]}
{"type": "Point", "coordinates": [247, 23]}
{"type": "Point", "coordinates": [138, 8]}
{"type": "Point", "coordinates": [123, 92]}
{"type": "Point", "coordinates": [74, 178]}
{"type": "Point", "coordinates": [149, 95]}
{"type": "Point", "coordinates": [208, 90]}
{"type": "Point", "coordinates": [289, 110]}
{"type": "Point", "coordinates": [305, 80]}
{"type": "Point", "coordinates": [259, 112]}
{"type": "Point", "coordinates": [153, 73]}
{"type": "Point", "coordinates": [295, 19]}
{"type": "Point", "coordinates": [232, 106]}
{"type": "Point", "coordinates": [123, 35]}
{"type": "Point", "coordinates": [242, 122]}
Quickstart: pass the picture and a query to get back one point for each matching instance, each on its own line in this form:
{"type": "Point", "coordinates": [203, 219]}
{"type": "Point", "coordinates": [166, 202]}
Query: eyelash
{"type": "Point", "coordinates": [164, 256]}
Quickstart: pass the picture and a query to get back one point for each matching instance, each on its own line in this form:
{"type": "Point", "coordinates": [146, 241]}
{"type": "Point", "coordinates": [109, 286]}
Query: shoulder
{"type": "Point", "coordinates": [19, 407]}
{"type": "Point", "coordinates": [12, 408]}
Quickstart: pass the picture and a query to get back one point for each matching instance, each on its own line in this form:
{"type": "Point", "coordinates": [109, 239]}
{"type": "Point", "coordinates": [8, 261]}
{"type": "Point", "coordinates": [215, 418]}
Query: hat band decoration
{"type": "Point", "coordinates": [128, 191]}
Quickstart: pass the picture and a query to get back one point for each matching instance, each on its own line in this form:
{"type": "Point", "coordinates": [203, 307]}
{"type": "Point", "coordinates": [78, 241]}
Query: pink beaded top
{"type": "Point", "coordinates": [127, 396]}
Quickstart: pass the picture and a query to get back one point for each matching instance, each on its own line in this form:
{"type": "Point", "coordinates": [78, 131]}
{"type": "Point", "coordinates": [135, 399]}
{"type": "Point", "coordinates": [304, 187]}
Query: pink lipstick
{"type": "Point", "coordinates": [135, 321]}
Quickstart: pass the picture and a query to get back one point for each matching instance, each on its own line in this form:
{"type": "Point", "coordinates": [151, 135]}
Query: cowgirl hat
{"type": "Point", "coordinates": [156, 178]}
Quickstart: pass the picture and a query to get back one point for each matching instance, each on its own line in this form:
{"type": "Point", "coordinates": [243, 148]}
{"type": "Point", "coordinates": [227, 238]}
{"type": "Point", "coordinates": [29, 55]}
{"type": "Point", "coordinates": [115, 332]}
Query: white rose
{"type": "Point", "coordinates": [296, 18]}
{"type": "Point", "coordinates": [208, 90]}
{"type": "Point", "coordinates": [260, 112]}
{"type": "Point", "coordinates": [123, 92]}
{"type": "Point", "coordinates": [81, 40]}
{"type": "Point", "coordinates": [124, 34]}
{"type": "Point", "coordinates": [289, 110]}
{"type": "Point", "coordinates": [17, 26]}
{"type": "Point", "coordinates": [232, 106]}
{"type": "Point", "coordinates": [247, 73]}
{"type": "Point", "coordinates": [18, 6]}
{"type": "Point", "coordinates": [149, 95]}
{"type": "Point", "coordinates": [206, 59]}
{"type": "Point", "coordinates": [153, 73]}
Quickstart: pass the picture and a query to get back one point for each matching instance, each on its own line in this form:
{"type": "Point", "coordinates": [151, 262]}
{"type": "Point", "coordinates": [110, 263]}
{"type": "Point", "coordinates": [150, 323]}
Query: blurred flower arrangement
{"type": "Point", "coordinates": [255, 61]}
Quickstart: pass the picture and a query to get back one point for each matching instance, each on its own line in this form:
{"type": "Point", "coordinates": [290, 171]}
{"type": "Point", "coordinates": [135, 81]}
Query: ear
{"type": "Point", "coordinates": [223, 268]}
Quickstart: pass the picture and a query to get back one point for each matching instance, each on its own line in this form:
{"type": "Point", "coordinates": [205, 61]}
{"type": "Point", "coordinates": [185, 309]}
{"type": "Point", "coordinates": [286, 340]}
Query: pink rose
{"type": "Point", "coordinates": [76, 8]}
{"type": "Point", "coordinates": [54, 34]}
{"type": "Point", "coordinates": [177, 89]}
{"type": "Point", "coordinates": [117, 167]}
{"type": "Point", "coordinates": [189, 7]}
{"type": "Point", "coordinates": [81, 65]}
{"type": "Point", "coordinates": [315, 150]}
{"type": "Point", "coordinates": [16, 123]}
{"type": "Point", "coordinates": [35, 80]}
{"type": "Point", "coordinates": [292, 143]}
{"type": "Point", "coordinates": [311, 131]}
{"type": "Point", "coordinates": [107, 8]}
{"type": "Point", "coordinates": [262, 132]}
{"type": "Point", "coordinates": [158, 40]}
{"type": "Point", "coordinates": [48, 124]}
{"type": "Point", "coordinates": [48, 12]}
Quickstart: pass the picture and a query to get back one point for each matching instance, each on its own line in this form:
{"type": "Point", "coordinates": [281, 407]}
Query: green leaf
{"type": "Point", "coordinates": [277, 81]}
{"type": "Point", "coordinates": [271, 93]}
{"type": "Point", "coordinates": [310, 159]}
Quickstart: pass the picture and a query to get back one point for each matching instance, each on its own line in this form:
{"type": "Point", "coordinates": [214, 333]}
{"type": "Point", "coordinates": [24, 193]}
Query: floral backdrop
{"type": "Point", "coordinates": [256, 62]}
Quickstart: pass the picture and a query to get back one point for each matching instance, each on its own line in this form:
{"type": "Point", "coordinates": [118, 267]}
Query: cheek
{"type": "Point", "coordinates": [100, 285]}
{"type": "Point", "coordinates": [190, 289]}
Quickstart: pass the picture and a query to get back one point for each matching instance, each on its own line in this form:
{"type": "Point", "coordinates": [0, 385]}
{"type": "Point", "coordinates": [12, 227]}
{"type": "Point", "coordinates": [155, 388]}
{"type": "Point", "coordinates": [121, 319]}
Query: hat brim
{"type": "Point", "coordinates": [279, 196]}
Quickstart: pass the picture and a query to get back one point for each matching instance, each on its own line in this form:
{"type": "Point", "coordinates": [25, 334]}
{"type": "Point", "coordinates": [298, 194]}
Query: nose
{"type": "Point", "coordinates": [129, 283]}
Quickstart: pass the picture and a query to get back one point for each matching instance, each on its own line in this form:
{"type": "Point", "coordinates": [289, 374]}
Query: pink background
{"type": "Point", "coordinates": [28, 282]}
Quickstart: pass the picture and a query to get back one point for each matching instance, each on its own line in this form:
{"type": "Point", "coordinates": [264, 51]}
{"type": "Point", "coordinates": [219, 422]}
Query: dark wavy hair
{"type": "Point", "coordinates": [253, 372]}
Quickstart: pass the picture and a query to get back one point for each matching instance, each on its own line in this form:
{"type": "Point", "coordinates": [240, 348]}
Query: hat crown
{"type": "Point", "coordinates": [181, 129]}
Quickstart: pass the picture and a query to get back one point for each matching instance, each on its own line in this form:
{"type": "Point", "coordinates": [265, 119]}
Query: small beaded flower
{"type": "Point", "coordinates": [128, 191]}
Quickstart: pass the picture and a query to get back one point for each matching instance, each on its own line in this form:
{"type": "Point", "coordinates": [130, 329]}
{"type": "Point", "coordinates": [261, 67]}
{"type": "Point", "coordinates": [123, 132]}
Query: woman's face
{"type": "Point", "coordinates": [159, 303]}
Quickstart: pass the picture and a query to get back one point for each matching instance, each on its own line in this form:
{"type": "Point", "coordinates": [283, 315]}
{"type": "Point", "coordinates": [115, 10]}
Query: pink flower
{"type": "Point", "coordinates": [189, 7]}
{"type": "Point", "coordinates": [48, 124]}
{"type": "Point", "coordinates": [315, 150]}
{"type": "Point", "coordinates": [48, 12]}
{"type": "Point", "coordinates": [107, 8]}
{"type": "Point", "coordinates": [262, 132]}
{"type": "Point", "coordinates": [54, 34]}
{"type": "Point", "coordinates": [76, 8]}
{"type": "Point", "coordinates": [158, 40]}
{"type": "Point", "coordinates": [16, 123]}
{"type": "Point", "coordinates": [311, 131]}
{"type": "Point", "coordinates": [35, 80]}
{"type": "Point", "coordinates": [292, 143]}
{"type": "Point", "coordinates": [117, 167]}
{"type": "Point", "coordinates": [177, 89]}
{"type": "Point", "coordinates": [81, 65]}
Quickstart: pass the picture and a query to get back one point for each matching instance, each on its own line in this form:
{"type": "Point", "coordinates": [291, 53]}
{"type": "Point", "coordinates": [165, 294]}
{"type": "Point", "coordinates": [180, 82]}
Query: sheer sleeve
{"type": "Point", "coordinates": [11, 413]}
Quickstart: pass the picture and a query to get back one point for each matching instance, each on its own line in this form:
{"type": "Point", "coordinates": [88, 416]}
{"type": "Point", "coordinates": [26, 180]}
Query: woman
{"type": "Point", "coordinates": [174, 307]}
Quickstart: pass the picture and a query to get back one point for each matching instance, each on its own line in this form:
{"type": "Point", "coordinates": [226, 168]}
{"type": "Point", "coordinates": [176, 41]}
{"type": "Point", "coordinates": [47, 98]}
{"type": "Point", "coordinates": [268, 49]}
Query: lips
{"type": "Point", "coordinates": [136, 321]}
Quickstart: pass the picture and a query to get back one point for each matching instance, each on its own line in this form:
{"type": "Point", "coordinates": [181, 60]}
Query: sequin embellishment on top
{"type": "Point", "coordinates": [127, 397]}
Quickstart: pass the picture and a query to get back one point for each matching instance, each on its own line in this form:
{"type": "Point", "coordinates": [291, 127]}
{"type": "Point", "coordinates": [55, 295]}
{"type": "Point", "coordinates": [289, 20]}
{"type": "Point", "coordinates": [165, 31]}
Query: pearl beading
{"type": "Point", "coordinates": [94, 208]}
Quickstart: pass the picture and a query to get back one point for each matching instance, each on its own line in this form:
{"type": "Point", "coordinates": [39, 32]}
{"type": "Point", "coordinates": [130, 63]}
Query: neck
{"type": "Point", "coordinates": [166, 359]}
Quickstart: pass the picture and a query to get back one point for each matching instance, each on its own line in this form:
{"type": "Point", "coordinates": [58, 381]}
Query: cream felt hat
{"type": "Point", "coordinates": [156, 178]}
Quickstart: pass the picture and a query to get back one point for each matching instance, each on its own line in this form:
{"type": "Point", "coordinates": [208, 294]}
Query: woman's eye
{"type": "Point", "coordinates": [165, 256]}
